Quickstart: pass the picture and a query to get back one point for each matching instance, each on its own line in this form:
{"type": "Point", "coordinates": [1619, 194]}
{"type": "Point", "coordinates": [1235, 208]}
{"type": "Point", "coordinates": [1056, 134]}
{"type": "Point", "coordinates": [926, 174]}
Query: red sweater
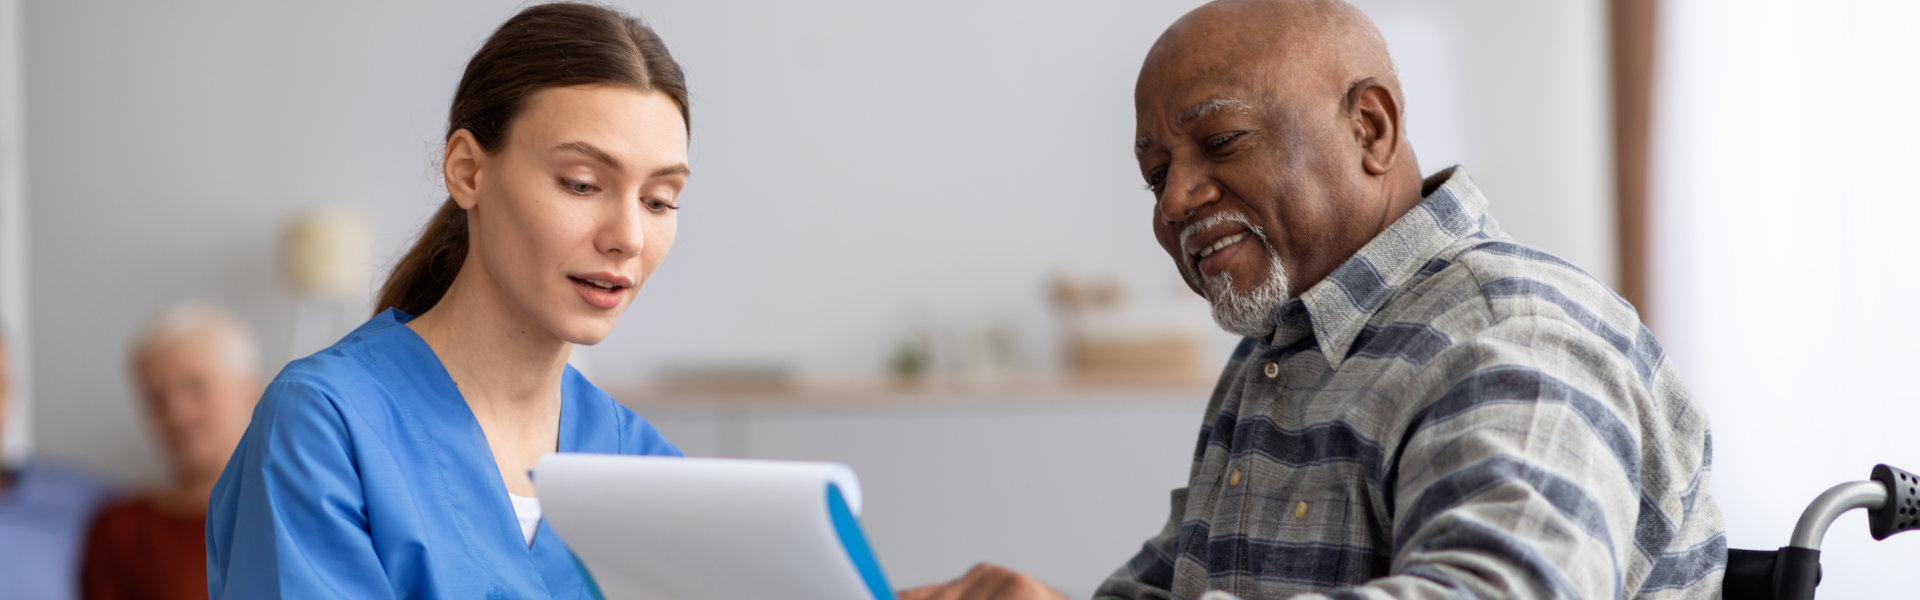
{"type": "Point", "coordinates": [135, 551]}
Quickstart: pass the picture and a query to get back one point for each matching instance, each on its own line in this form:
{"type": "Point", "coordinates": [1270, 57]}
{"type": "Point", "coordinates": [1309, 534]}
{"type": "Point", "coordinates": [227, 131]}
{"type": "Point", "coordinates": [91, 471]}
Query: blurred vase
{"type": "Point", "coordinates": [325, 260]}
{"type": "Point", "coordinates": [326, 253]}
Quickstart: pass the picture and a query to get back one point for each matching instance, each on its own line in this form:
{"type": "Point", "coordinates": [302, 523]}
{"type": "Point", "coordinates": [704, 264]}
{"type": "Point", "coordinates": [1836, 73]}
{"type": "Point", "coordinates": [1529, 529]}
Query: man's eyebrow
{"type": "Point", "coordinates": [590, 151]}
{"type": "Point", "coordinates": [1191, 114]}
{"type": "Point", "coordinates": [1203, 109]}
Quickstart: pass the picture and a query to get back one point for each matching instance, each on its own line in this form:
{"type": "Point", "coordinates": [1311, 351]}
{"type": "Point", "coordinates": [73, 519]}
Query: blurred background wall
{"type": "Point", "coordinates": [862, 166]}
{"type": "Point", "coordinates": [1783, 235]}
{"type": "Point", "coordinates": [865, 170]}
{"type": "Point", "coordinates": [16, 434]}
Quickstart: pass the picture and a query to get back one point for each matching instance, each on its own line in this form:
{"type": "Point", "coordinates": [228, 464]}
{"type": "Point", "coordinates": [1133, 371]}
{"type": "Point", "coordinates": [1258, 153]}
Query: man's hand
{"type": "Point", "coordinates": [986, 582]}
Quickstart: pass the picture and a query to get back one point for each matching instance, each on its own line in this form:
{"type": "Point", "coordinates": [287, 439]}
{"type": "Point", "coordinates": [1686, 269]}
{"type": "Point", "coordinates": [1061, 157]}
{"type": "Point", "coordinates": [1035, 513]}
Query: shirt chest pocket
{"type": "Point", "coordinates": [1300, 538]}
{"type": "Point", "coordinates": [1289, 539]}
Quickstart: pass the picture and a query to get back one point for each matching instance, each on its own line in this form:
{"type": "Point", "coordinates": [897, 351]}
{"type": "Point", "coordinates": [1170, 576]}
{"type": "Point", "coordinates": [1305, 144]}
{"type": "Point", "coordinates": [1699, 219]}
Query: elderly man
{"type": "Point", "coordinates": [1422, 408]}
{"type": "Point", "coordinates": [199, 375]}
{"type": "Point", "coordinates": [44, 509]}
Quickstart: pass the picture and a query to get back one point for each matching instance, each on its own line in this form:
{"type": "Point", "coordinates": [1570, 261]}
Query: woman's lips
{"type": "Point", "coordinates": [596, 295]}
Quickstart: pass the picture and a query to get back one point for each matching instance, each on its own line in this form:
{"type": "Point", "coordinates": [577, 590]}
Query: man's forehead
{"type": "Point", "coordinates": [1171, 85]}
{"type": "Point", "coordinates": [1247, 50]}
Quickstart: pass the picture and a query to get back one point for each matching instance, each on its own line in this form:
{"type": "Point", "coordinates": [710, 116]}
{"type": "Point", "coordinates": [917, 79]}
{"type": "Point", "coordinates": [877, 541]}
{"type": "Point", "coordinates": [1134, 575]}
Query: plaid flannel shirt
{"type": "Point", "coordinates": [1448, 414]}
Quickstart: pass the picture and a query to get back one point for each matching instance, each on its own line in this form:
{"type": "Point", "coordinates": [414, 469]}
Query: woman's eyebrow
{"type": "Point", "coordinates": [679, 169]}
{"type": "Point", "coordinates": [590, 151]}
{"type": "Point", "coordinates": [602, 156]}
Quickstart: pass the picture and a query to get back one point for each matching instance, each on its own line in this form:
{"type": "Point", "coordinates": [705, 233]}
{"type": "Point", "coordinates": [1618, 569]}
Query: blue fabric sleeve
{"type": "Point", "coordinates": [288, 517]}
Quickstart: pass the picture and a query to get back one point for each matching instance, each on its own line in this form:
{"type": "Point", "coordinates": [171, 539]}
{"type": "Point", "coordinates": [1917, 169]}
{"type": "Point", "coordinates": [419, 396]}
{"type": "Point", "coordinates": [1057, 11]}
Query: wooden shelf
{"type": "Point", "coordinates": [863, 392]}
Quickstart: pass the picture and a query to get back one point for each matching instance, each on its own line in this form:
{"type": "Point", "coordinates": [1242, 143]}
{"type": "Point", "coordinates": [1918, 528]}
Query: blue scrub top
{"type": "Point", "coordinates": [365, 475]}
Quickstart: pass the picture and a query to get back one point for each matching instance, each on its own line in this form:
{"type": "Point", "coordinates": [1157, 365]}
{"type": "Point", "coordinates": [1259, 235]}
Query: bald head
{"type": "Point", "coordinates": [1278, 119]}
{"type": "Point", "coordinates": [1321, 48]}
{"type": "Point", "coordinates": [1321, 42]}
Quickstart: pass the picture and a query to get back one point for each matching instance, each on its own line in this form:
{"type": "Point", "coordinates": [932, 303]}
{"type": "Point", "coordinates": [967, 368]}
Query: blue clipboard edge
{"type": "Point", "coordinates": [855, 542]}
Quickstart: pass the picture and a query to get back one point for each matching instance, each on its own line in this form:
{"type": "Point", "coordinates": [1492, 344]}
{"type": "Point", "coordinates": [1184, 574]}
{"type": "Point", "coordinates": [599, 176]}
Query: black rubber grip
{"type": "Point", "coordinates": [1902, 511]}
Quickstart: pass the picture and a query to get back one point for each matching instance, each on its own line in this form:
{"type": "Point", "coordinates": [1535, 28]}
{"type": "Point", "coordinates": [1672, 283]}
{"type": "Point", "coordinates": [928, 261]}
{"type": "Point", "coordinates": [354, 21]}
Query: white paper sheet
{"type": "Point", "coordinates": [657, 528]}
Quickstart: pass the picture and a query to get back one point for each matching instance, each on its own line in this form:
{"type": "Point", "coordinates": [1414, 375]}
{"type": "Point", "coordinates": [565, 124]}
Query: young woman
{"type": "Point", "coordinates": [395, 463]}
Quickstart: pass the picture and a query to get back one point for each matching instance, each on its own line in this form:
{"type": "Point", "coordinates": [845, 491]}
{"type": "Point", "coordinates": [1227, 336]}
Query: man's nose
{"type": "Point", "coordinates": [1186, 192]}
{"type": "Point", "coordinates": [178, 409]}
{"type": "Point", "coordinates": [622, 232]}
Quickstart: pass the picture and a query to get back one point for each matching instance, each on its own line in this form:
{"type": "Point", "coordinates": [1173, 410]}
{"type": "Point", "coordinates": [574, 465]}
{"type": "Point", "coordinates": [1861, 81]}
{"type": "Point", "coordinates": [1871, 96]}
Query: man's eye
{"type": "Point", "coordinates": [1218, 141]}
{"type": "Point", "coordinates": [577, 188]}
{"type": "Point", "coordinates": [1155, 180]}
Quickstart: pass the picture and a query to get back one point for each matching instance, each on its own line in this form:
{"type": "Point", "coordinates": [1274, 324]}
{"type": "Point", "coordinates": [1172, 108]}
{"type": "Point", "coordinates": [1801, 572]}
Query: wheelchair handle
{"type": "Point", "coordinates": [1892, 500]}
{"type": "Point", "coordinates": [1814, 521]}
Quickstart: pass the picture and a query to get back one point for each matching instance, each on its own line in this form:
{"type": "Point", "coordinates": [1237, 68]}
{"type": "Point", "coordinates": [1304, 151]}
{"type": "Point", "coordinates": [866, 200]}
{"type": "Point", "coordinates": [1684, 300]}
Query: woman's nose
{"type": "Point", "coordinates": [623, 232]}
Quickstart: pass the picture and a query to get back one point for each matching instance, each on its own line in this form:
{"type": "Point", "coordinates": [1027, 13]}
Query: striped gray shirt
{"type": "Point", "coordinates": [1448, 414]}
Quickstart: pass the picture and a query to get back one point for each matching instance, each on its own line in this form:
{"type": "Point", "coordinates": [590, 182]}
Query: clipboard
{"type": "Point", "coordinates": [670, 528]}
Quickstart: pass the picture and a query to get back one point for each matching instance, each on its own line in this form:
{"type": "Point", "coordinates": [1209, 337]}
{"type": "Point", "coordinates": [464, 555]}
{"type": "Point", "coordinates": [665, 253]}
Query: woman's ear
{"type": "Point", "coordinates": [462, 166]}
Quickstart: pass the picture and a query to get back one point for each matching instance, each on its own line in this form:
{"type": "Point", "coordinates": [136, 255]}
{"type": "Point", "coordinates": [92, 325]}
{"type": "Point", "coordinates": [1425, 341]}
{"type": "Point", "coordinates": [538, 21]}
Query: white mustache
{"type": "Point", "coordinates": [1215, 220]}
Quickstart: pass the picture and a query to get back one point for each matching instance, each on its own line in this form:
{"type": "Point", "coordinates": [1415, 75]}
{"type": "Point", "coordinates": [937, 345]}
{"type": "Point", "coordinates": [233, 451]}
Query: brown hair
{"type": "Point", "coordinates": [546, 46]}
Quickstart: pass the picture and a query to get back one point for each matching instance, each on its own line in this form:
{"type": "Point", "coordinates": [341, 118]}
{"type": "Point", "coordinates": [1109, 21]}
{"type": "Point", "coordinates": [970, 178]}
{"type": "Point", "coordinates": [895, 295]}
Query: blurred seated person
{"type": "Point", "coordinates": [43, 510]}
{"type": "Point", "coordinates": [198, 372]}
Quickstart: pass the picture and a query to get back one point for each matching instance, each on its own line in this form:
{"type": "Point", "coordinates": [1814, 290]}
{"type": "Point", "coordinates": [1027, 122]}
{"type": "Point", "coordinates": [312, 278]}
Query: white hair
{"type": "Point", "coordinates": [202, 322]}
{"type": "Point", "coordinates": [1249, 314]}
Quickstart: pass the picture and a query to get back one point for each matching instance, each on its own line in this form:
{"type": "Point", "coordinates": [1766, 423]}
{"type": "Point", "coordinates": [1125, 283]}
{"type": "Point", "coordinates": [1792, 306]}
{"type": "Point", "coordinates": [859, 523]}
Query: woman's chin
{"type": "Point", "coordinates": [587, 341]}
{"type": "Point", "coordinates": [587, 331]}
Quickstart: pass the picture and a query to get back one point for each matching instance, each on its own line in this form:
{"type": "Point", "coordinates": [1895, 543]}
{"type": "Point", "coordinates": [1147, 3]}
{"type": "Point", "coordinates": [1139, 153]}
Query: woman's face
{"type": "Point", "coordinates": [576, 209]}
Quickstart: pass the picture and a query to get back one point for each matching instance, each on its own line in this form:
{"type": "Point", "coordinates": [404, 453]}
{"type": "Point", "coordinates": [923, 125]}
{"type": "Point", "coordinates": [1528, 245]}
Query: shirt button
{"type": "Point", "coordinates": [1273, 369]}
{"type": "Point", "coordinates": [1300, 510]}
{"type": "Point", "coordinates": [1233, 479]}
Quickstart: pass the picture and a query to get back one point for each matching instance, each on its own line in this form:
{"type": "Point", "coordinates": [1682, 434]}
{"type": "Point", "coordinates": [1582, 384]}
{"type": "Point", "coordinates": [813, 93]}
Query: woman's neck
{"type": "Point", "coordinates": [507, 367]}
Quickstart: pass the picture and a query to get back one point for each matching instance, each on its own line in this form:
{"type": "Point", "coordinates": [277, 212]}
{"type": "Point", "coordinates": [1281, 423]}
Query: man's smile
{"type": "Point", "coordinates": [1213, 243]}
{"type": "Point", "coordinates": [1213, 259]}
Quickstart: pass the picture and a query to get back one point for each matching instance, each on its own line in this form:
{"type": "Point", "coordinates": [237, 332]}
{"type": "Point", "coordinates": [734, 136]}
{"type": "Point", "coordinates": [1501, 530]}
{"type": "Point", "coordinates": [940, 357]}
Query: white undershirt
{"type": "Point", "coordinates": [528, 511]}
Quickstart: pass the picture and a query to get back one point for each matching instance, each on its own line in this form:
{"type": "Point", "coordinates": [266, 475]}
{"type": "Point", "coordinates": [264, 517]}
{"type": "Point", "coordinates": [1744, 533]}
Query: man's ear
{"type": "Point", "coordinates": [462, 165]}
{"type": "Point", "coordinates": [1375, 116]}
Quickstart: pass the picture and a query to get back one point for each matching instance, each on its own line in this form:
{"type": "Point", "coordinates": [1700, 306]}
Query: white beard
{"type": "Point", "coordinates": [1251, 313]}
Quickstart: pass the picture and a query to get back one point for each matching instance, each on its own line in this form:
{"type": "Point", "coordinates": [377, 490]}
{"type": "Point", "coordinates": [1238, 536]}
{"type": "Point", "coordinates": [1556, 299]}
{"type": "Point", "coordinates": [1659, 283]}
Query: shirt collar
{"type": "Point", "coordinates": [1335, 310]}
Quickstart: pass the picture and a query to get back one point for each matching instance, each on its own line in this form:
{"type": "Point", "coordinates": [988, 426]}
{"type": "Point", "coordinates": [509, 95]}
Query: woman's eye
{"type": "Point", "coordinates": [577, 188]}
{"type": "Point", "coordinates": [658, 205]}
{"type": "Point", "coordinates": [1216, 142]}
